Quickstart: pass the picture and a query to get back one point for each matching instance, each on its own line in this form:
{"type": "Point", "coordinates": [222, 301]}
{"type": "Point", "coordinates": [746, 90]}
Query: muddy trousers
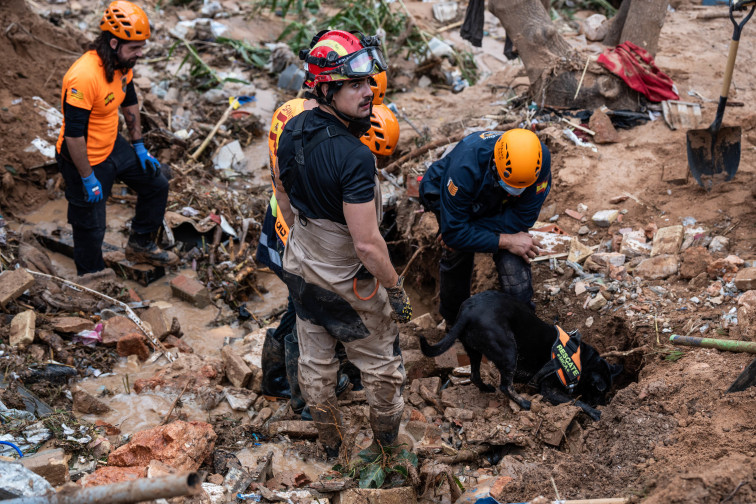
{"type": "Point", "coordinates": [88, 219]}
{"type": "Point", "coordinates": [515, 278]}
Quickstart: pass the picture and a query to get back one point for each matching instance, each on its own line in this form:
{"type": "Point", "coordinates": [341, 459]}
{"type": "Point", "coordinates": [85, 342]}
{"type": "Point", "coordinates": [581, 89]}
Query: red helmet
{"type": "Point", "coordinates": [339, 55]}
{"type": "Point", "coordinates": [383, 134]}
{"type": "Point", "coordinates": [126, 21]}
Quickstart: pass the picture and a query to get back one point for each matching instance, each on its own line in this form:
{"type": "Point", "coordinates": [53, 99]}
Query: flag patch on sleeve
{"type": "Point", "coordinates": [542, 186]}
{"type": "Point", "coordinates": [451, 187]}
{"type": "Point", "coordinates": [77, 94]}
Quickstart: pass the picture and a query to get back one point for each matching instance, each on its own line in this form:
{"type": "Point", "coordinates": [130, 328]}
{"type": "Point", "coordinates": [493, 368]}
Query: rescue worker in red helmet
{"type": "Point", "coordinates": [486, 194]}
{"type": "Point", "coordinates": [90, 152]}
{"type": "Point", "coordinates": [336, 262]}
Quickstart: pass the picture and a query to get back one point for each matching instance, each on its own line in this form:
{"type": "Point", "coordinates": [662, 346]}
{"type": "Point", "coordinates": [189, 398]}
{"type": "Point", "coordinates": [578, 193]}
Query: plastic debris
{"type": "Point", "coordinates": [89, 337]}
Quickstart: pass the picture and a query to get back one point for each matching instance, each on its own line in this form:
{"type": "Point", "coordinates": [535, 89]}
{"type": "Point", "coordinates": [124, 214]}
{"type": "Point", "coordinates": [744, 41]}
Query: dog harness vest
{"type": "Point", "coordinates": [565, 360]}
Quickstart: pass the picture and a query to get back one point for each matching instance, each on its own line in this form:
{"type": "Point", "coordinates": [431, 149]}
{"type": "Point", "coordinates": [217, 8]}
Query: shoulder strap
{"type": "Point", "coordinates": [302, 151]}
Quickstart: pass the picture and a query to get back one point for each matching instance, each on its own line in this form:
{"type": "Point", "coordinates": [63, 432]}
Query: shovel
{"type": "Point", "coordinates": [716, 149]}
{"type": "Point", "coordinates": [747, 378]}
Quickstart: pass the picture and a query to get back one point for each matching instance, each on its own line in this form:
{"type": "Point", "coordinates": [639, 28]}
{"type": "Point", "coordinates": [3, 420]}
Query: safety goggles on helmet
{"type": "Point", "coordinates": [514, 191]}
{"type": "Point", "coordinates": [363, 63]}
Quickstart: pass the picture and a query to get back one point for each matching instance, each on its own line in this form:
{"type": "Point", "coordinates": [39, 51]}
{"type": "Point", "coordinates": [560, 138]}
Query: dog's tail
{"type": "Point", "coordinates": [443, 345]}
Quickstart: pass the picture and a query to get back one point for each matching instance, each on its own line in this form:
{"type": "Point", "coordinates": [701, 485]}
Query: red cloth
{"type": "Point", "coordinates": [636, 67]}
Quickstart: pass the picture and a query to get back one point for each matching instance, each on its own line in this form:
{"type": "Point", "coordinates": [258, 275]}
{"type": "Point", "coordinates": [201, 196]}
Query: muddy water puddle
{"type": "Point", "coordinates": [285, 458]}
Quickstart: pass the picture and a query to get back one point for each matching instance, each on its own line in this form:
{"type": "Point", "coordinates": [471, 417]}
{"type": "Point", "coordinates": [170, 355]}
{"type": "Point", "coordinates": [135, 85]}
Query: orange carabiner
{"type": "Point", "coordinates": [354, 287]}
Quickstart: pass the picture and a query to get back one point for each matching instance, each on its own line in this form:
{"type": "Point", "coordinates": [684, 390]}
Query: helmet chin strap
{"type": "Point", "coordinates": [357, 126]}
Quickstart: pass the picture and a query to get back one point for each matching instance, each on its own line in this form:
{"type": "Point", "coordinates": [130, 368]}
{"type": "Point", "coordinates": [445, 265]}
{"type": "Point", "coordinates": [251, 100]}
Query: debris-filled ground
{"type": "Point", "coordinates": [148, 373]}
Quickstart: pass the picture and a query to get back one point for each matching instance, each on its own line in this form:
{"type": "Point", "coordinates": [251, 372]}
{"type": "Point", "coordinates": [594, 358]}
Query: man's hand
{"type": "Point", "coordinates": [521, 244]}
{"type": "Point", "coordinates": [92, 188]}
{"type": "Point", "coordinates": [150, 165]}
{"type": "Point", "coordinates": [440, 239]}
{"type": "Point", "coordinates": [399, 301]}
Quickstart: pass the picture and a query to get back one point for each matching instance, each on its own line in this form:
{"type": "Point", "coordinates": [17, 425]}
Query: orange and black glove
{"type": "Point", "coordinates": [399, 301]}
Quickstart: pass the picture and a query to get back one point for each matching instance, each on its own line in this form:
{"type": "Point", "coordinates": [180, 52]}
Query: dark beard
{"type": "Point", "coordinates": [125, 64]}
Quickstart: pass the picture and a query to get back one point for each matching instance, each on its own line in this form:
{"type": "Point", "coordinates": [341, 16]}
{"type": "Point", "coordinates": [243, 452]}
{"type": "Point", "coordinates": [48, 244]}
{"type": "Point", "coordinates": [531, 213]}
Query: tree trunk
{"type": "Point", "coordinates": [640, 22]}
{"type": "Point", "coordinates": [553, 67]}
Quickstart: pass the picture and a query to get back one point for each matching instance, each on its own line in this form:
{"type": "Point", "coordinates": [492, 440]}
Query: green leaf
{"type": "Point", "coordinates": [372, 476]}
{"type": "Point", "coordinates": [459, 483]}
{"type": "Point", "coordinates": [369, 456]}
{"type": "Point", "coordinates": [401, 470]}
{"type": "Point", "coordinates": [408, 456]}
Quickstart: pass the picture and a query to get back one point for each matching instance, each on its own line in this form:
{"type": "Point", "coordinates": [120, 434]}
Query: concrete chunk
{"type": "Point", "coordinates": [578, 251]}
{"type": "Point", "coordinates": [746, 279]}
{"type": "Point", "coordinates": [237, 371]}
{"type": "Point", "coordinates": [50, 464]}
{"type": "Point", "coordinates": [667, 241]}
{"type": "Point", "coordinates": [658, 267]}
{"type": "Point", "coordinates": [13, 283]}
{"type": "Point", "coordinates": [158, 320]}
{"type": "Point", "coordinates": [22, 329]}
{"type": "Point", "coordinates": [605, 218]}
{"type": "Point", "coordinates": [634, 244]}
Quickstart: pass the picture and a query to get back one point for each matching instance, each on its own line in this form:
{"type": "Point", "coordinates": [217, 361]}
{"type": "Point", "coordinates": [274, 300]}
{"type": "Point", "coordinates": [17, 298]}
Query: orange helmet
{"type": "Point", "coordinates": [126, 21]}
{"type": "Point", "coordinates": [379, 89]}
{"type": "Point", "coordinates": [517, 155]}
{"type": "Point", "coordinates": [383, 134]}
{"type": "Point", "coordinates": [338, 55]}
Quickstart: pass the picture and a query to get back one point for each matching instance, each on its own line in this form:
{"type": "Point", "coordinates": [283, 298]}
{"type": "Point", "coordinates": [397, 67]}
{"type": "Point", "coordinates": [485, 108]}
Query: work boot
{"type": "Point", "coordinates": [141, 248]}
{"type": "Point", "coordinates": [274, 381]}
{"type": "Point", "coordinates": [327, 418]}
{"type": "Point", "coordinates": [291, 343]}
{"type": "Point", "coordinates": [385, 430]}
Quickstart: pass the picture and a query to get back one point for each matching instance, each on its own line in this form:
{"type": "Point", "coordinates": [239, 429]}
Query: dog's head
{"type": "Point", "coordinates": [597, 376]}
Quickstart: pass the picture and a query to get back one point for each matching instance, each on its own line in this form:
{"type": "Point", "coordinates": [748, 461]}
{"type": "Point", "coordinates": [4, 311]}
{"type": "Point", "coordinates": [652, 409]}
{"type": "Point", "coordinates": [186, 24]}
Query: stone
{"type": "Point", "coordinates": [603, 127]}
{"type": "Point", "coordinates": [424, 321]}
{"type": "Point", "coordinates": [719, 244]}
{"type": "Point", "coordinates": [656, 268]}
{"type": "Point", "coordinates": [693, 262]}
{"type": "Point", "coordinates": [109, 474]}
{"type": "Point", "coordinates": [261, 417]}
{"type": "Point", "coordinates": [72, 324]}
{"type": "Point", "coordinates": [87, 404]}
{"type": "Point", "coordinates": [735, 260]}
{"type": "Point", "coordinates": [432, 383]}
{"type": "Point", "coordinates": [634, 244]}
{"type": "Point", "coordinates": [200, 372]}
{"type": "Point", "coordinates": [190, 290]}
{"type": "Point", "coordinates": [605, 218]}
{"type": "Point", "coordinates": [240, 399]}
{"type": "Point", "coordinates": [237, 370]}
{"type": "Point", "coordinates": [13, 283]}
{"type": "Point", "coordinates": [172, 341]}
{"type": "Point", "coordinates": [721, 268]}
{"type": "Point", "coordinates": [583, 230]}
{"type": "Point", "coordinates": [133, 344]}
{"type": "Point", "coordinates": [580, 287]}
{"type": "Point", "coordinates": [50, 464]}
{"type": "Point", "coordinates": [747, 315]}
{"type": "Point", "coordinates": [597, 302]}
{"type": "Point", "coordinates": [746, 279]}
{"type": "Point", "coordinates": [115, 328]}
{"type": "Point", "coordinates": [181, 445]}
{"type": "Point", "coordinates": [595, 27]}
{"type": "Point", "coordinates": [158, 320]}
{"type": "Point", "coordinates": [157, 469]}
{"type": "Point", "coordinates": [100, 447]}
{"type": "Point", "coordinates": [667, 240]}
{"type": "Point", "coordinates": [464, 415]}
{"type": "Point", "coordinates": [574, 214]}
{"type": "Point", "coordinates": [609, 258]}
{"type": "Point", "coordinates": [454, 357]}
{"type": "Point", "coordinates": [18, 481]}
{"type": "Point", "coordinates": [294, 428]}
{"type": "Point", "coordinates": [578, 251]}
{"type": "Point", "coordinates": [22, 329]}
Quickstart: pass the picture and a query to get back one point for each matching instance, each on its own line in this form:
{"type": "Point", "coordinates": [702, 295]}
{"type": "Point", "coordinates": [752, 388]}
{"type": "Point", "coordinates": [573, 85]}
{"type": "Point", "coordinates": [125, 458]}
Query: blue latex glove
{"type": "Point", "coordinates": [150, 165]}
{"type": "Point", "coordinates": [92, 188]}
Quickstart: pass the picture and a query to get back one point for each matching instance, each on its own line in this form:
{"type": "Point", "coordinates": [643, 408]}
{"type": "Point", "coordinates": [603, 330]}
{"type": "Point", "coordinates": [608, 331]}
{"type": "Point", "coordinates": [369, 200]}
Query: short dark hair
{"type": "Point", "coordinates": [106, 53]}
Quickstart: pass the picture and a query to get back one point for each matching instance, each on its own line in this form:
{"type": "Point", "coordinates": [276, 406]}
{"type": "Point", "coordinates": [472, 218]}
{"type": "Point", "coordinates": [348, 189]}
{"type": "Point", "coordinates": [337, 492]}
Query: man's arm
{"type": "Point", "coordinates": [77, 149]}
{"type": "Point", "coordinates": [133, 121]}
{"type": "Point", "coordinates": [368, 242]}
{"type": "Point", "coordinates": [284, 204]}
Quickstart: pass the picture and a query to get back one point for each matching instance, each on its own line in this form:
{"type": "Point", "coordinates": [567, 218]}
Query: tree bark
{"type": "Point", "coordinates": [640, 22]}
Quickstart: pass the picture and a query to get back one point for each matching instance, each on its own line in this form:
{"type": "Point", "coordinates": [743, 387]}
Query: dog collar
{"type": "Point", "coordinates": [566, 353]}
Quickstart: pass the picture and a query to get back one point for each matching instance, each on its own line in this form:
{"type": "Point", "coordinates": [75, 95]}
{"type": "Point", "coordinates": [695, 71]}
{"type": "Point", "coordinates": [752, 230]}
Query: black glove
{"type": "Point", "coordinates": [399, 301]}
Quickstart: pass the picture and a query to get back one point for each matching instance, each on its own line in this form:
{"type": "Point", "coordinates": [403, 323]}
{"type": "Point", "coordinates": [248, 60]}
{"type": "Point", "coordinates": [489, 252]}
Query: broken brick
{"type": "Point", "coordinates": [115, 328]}
{"type": "Point", "coordinates": [746, 279]}
{"type": "Point", "coordinates": [133, 344]}
{"type": "Point", "coordinates": [13, 283]}
{"type": "Point", "coordinates": [86, 403]}
{"type": "Point", "coordinates": [237, 370]}
{"type": "Point", "coordinates": [190, 290]}
{"type": "Point", "coordinates": [72, 324]}
{"type": "Point", "coordinates": [22, 329]}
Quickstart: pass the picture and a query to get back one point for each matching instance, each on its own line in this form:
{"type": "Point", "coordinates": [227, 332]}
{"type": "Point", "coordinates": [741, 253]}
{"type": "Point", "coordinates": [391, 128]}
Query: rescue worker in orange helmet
{"type": "Point", "coordinates": [383, 135]}
{"type": "Point", "coordinates": [90, 152]}
{"type": "Point", "coordinates": [486, 194]}
{"type": "Point", "coordinates": [336, 262]}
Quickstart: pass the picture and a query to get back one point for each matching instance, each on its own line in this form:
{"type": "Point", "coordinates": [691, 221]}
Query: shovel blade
{"type": "Point", "coordinates": [710, 153]}
{"type": "Point", "coordinates": [746, 379]}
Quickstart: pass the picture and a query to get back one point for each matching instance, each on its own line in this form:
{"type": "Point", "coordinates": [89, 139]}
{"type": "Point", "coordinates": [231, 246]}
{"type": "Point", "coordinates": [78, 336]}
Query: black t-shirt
{"type": "Point", "coordinates": [339, 169]}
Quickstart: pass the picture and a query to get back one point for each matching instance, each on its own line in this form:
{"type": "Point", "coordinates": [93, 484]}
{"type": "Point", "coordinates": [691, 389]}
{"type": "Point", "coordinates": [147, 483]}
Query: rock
{"type": "Point", "coordinates": [454, 357]}
{"type": "Point", "coordinates": [294, 428]}
{"type": "Point", "coordinates": [72, 324]}
{"type": "Point", "coordinates": [595, 28]}
{"type": "Point", "coordinates": [693, 262]}
{"type": "Point", "coordinates": [603, 127]}
{"type": "Point", "coordinates": [578, 251]}
{"type": "Point", "coordinates": [108, 475]}
{"type": "Point", "coordinates": [424, 321]}
{"type": "Point", "coordinates": [574, 214]}
{"type": "Point", "coordinates": [609, 259]}
{"type": "Point", "coordinates": [416, 364]}
{"type": "Point", "coordinates": [201, 373]}
{"type": "Point", "coordinates": [583, 230]}
{"type": "Point", "coordinates": [158, 320]}
{"type": "Point", "coordinates": [433, 384]}
{"type": "Point", "coordinates": [157, 469]}
{"type": "Point", "coordinates": [182, 445]}
{"type": "Point", "coordinates": [87, 404]}
{"type": "Point", "coordinates": [667, 241]}
{"type": "Point", "coordinates": [747, 315]}
{"type": "Point", "coordinates": [100, 447]}
{"type": "Point", "coordinates": [589, 322]}
{"type": "Point", "coordinates": [746, 279]}
{"type": "Point", "coordinates": [22, 329]}
{"type": "Point", "coordinates": [616, 200]}
{"type": "Point", "coordinates": [658, 267]}
{"type": "Point", "coordinates": [634, 244]}
{"type": "Point", "coordinates": [133, 344]}
{"type": "Point", "coordinates": [50, 464]}
{"type": "Point", "coordinates": [261, 417]}
{"type": "Point", "coordinates": [115, 328]}
{"type": "Point", "coordinates": [172, 341]}
{"type": "Point", "coordinates": [464, 415]}
{"type": "Point", "coordinates": [735, 261]}
{"type": "Point", "coordinates": [190, 290]}
{"type": "Point", "coordinates": [237, 370]}
{"type": "Point", "coordinates": [605, 218]}
{"type": "Point", "coordinates": [18, 481]}
{"type": "Point", "coordinates": [721, 268]}
{"type": "Point", "coordinates": [580, 287]}
{"type": "Point", "coordinates": [597, 302]}
{"type": "Point", "coordinates": [13, 283]}
{"type": "Point", "coordinates": [719, 244]}
{"type": "Point", "coordinates": [240, 399]}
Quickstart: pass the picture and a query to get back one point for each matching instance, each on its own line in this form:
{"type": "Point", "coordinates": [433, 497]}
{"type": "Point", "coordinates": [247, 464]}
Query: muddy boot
{"type": "Point", "coordinates": [385, 430]}
{"type": "Point", "coordinates": [274, 381]}
{"type": "Point", "coordinates": [142, 249]}
{"type": "Point", "coordinates": [297, 403]}
{"type": "Point", "coordinates": [327, 418]}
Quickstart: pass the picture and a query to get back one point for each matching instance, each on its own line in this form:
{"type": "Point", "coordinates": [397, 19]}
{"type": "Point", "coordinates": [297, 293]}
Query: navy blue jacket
{"type": "Point", "coordinates": [462, 190]}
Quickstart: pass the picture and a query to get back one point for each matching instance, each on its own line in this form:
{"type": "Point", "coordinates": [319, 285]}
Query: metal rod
{"type": "Point", "coordinates": [719, 344]}
{"type": "Point", "coordinates": [127, 492]}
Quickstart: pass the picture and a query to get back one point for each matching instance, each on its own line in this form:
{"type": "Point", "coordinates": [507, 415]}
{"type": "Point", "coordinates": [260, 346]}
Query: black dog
{"type": "Point", "coordinates": [521, 346]}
